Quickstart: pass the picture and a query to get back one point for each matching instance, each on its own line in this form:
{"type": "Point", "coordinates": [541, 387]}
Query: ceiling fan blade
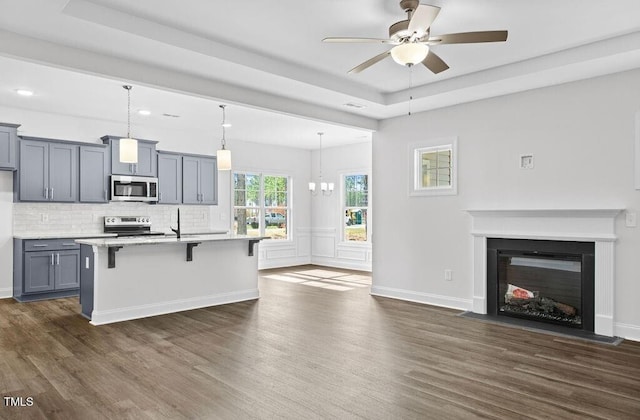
{"type": "Point", "coordinates": [359, 40]}
{"type": "Point", "coordinates": [469, 37]}
{"type": "Point", "coordinates": [422, 18]}
{"type": "Point", "coordinates": [370, 62]}
{"type": "Point", "coordinates": [434, 63]}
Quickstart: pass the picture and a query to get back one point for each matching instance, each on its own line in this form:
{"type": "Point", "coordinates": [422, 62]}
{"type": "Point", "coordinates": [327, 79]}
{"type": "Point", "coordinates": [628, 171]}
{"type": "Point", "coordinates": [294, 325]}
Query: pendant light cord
{"type": "Point", "coordinates": [320, 134]}
{"type": "Point", "coordinates": [128, 87]}
{"type": "Point", "coordinates": [410, 87]}
{"type": "Point", "coordinates": [224, 141]}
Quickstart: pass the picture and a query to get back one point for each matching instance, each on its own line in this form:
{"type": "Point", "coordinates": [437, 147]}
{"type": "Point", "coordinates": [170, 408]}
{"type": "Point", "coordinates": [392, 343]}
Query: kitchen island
{"type": "Point", "coordinates": [130, 278]}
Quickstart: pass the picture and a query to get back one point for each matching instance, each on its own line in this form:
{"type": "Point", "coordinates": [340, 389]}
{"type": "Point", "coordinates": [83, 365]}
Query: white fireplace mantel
{"type": "Point", "coordinates": [585, 225]}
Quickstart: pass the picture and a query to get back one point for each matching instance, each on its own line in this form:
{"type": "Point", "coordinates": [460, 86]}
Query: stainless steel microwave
{"type": "Point", "coordinates": [134, 188]}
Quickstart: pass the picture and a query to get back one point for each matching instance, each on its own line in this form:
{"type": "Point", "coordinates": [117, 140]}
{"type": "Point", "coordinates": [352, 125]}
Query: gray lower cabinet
{"type": "Point", "coordinates": [94, 174]}
{"type": "Point", "coordinates": [169, 178]}
{"type": "Point", "coordinates": [45, 269]}
{"type": "Point", "coordinates": [48, 171]}
{"type": "Point", "coordinates": [199, 180]}
{"type": "Point", "coordinates": [8, 144]}
{"type": "Point", "coordinates": [147, 161]}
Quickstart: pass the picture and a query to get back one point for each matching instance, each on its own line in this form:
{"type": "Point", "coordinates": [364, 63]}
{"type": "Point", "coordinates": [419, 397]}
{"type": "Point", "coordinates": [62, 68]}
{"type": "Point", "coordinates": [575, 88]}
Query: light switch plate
{"type": "Point", "coordinates": [631, 219]}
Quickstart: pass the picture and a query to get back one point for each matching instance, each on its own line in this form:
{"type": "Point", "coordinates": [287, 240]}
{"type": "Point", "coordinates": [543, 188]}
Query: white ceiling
{"type": "Point", "coordinates": [267, 61]}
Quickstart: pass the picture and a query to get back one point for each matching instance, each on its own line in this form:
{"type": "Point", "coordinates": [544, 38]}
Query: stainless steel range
{"type": "Point", "coordinates": [129, 226]}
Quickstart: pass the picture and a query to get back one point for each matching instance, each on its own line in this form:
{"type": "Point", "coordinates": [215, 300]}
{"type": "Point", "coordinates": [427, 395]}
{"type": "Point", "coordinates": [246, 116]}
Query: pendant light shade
{"type": "Point", "coordinates": [224, 159]}
{"type": "Point", "coordinates": [223, 155]}
{"type": "Point", "coordinates": [128, 146]}
{"type": "Point", "coordinates": [128, 150]}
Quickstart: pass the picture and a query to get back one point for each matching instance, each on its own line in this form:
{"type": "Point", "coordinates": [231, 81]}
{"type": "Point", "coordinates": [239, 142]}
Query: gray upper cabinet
{"type": "Point", "coordinates": [94, 174]}
{"type": "Point", "coordinates": [169, 178]}
{"type": "Point", "coordinates": [147, 161]}
{"type": "Point", "coordinates": [48, 171]}
{"type": "Point", "coordinates": [199, 180]}
{"type": "Point", "coordinates": [208, 181]}
{"type": "Point", "coordinates": [8, 142]}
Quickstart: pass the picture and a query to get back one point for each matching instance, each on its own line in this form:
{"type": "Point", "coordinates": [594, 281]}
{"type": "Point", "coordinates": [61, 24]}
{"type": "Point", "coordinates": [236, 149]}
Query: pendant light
{"type": "Point", "coordinates": [325, 187]}
{"type": "Point", "coordinates": [224, 155]}
{"type": "Point", "coordinates": [128, 146]}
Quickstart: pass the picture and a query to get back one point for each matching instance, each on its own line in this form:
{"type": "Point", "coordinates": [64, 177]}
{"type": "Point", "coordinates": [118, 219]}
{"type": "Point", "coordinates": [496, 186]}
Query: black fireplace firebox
{"type": "Point", "coordinates": [542, 280]}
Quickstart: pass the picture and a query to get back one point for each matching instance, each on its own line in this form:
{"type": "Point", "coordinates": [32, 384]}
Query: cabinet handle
{"type": "Point", "coordinates": [160, 196]}
{"type": "Point", "coordinates": [202, 197]}
{"type": "Point", "coordinates": [58, 259]}
{"type": "Point", "coordinates": [51, 259]}
{"type": "Point", "coordinates": [86, 263]}
{"type": "Point", "coordinates": [46, 193]}
{"type": "Point", "coordinates": [105, 194]}
{"type": "Point", "coordinates": [40, 245]}
{"type": "Point", "coordinates": [68, 244]}
{"type": "Point", "coordinates": [51, 193]}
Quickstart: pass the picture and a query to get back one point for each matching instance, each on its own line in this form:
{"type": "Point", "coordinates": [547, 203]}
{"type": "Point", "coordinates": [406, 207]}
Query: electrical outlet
{"type": "Point", "coordinates": [44, 217]}
{"type": "Point", "coordinates": [448, 275]}
{"type": "Point", "coordinates": [631, 219]}
{"type": "Point", "coordinates": [526, 161]}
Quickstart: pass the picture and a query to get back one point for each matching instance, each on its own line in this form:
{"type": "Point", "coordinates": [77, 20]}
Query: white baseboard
{"type": "Point", "coordinates": [6, 292]}
{"type": "Point", "coordinates": [426, 298]}
{"type": "Point", "coordinates": [282, 262]}
{"type": "Point", "coordinates": [336, 263]}
{"type": "Point", "coordinates": [143, 311]}
{"type": "Point", "coordinates": [627, 331]}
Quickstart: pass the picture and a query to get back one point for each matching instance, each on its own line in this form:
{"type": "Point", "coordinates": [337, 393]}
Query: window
{"type": "Point", "coordinates": [433, 167]}
{"type": "Point", "coordinates": [261, 205]}
{"type": "Point", "coordinates": [356, 205]}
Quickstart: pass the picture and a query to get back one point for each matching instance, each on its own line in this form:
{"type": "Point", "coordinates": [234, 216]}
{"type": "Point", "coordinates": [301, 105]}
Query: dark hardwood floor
{"type": "Point", "coordinates": [316, 345]}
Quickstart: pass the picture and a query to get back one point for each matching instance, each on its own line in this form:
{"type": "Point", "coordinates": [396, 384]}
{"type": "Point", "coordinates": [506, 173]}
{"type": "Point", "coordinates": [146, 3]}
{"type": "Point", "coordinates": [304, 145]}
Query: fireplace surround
{"type": "Point", "coordinates": [573, 225]}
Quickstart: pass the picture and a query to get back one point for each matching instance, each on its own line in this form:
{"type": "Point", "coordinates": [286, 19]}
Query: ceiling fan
{"type": "Point", "coordinates": [412, 38]}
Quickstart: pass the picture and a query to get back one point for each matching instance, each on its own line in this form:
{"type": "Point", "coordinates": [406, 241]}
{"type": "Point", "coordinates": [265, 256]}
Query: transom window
{"type": "Point", "coordinates": [261, 205]}
{"type": "Point", "coordinates": [355, 208]}
{"type": "Point", "coordinates": [433, 168]}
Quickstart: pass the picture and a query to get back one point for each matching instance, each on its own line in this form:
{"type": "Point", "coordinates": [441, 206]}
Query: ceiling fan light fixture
{"type": "Point", "coordinates": [409, 53]}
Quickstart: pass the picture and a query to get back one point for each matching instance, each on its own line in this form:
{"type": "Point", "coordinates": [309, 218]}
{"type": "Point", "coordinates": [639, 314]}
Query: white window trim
{"type": "Point", "coordinates": [262, 208]}
{"type": "Point", "coordinates": [414, 166]}
{"type": "Point", "coordinates": [341, 206]}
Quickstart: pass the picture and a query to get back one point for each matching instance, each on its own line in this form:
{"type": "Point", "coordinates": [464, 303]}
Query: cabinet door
{"type": "Point", "coordinates": [208, 181]}
{"type": "Point", "coordinates": [67, 269]}
{"type": "Point", "coordinates": [8, 147]}
{"type": "Point", "coordinates": [94, 174]}
{"type": "Point", "coordinates": [33, 174]}
{"type": "Point", "coordinates": [146, 165]}
{"type": "Point", "coordinates": [63, 172]}
{"type": "Point", "coordinates": [38, 271]}
{"type": "Point", "coordinates": [190, 180]}
{"type": "Point", "coordinates": [169, 178]}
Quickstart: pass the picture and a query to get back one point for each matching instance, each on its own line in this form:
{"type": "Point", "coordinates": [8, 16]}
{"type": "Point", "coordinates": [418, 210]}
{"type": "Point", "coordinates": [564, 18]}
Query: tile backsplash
{"type": "Point", "coordinates": [34, 218]}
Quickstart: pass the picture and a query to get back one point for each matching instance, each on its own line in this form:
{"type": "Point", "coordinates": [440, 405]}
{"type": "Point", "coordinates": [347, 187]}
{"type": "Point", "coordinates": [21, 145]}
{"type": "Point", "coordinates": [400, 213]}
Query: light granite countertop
{"type": "Point", "coordinates": [155, 240]}
{"type": "Point", "coordinates": [63, 235]}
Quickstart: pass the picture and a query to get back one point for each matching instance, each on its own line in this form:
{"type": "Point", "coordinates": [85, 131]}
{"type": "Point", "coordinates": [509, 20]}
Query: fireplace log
{"type": "Point", "coordinates": [565, 309]}
{"type": "Point", "coordinates": [543, 304]}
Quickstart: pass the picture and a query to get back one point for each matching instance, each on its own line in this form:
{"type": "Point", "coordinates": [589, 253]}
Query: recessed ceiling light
{"type": "Point", "coordinates": [144, 112]}
{"type": "Point", "coordinates": [24, 92]}
{"type": "Point", "coordinates": [226, 125]}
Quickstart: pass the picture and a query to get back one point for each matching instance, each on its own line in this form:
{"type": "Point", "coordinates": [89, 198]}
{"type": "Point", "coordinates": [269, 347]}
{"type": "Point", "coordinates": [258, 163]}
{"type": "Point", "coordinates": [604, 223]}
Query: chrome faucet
{"type": "Point", "coordinates": [177, 231]}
